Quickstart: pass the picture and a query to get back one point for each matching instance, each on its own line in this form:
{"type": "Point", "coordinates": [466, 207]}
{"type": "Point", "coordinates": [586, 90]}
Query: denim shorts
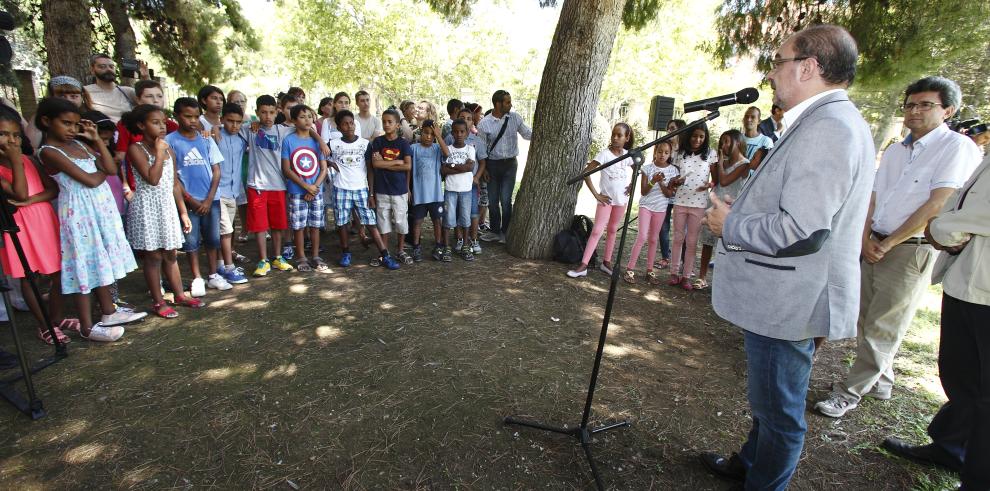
{"type": "Point", "coordinates": [205, 229]}
{"type": "Point", "coordinates": [458, 209]}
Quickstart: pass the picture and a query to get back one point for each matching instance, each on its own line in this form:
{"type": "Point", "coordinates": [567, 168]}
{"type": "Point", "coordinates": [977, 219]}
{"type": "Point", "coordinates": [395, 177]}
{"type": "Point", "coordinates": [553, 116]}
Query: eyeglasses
{"type": "Point", "coordinates": [780, 61]}
{"type": "Point", "coordinates": [921, 106]}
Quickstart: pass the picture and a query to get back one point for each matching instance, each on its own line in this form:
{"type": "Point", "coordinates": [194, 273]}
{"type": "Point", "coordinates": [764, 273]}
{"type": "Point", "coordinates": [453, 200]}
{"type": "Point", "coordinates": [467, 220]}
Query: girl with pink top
{"type": "Point", "coordinates": [614, 184]}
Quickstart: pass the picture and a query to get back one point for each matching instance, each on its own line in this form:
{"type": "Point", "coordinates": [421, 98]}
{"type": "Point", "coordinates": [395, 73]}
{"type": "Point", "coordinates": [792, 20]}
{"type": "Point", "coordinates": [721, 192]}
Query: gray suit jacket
{"type": "Point", "coordinates": [788, 262]}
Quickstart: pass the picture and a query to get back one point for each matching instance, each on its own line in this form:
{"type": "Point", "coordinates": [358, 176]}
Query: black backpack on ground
{"type": "Point", "coordinates": [568, 244]}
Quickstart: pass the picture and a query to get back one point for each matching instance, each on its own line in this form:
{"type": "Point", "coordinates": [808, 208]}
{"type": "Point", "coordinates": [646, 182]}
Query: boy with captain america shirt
{"type": "Point", "coordinates": [305, 172]}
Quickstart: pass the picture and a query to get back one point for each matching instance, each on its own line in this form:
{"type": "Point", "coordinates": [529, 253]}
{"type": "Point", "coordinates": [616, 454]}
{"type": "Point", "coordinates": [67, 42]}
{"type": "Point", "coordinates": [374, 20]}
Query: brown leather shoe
{"type": "Point", "coordinates": [731, 469]}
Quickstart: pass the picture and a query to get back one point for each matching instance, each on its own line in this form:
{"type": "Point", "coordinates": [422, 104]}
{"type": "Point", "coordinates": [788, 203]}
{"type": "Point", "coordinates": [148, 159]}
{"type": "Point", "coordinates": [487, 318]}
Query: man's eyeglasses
{"type": "Point", "coordinates": [780, 61]}
{"type": "Point", "coordinates": [921, 106]}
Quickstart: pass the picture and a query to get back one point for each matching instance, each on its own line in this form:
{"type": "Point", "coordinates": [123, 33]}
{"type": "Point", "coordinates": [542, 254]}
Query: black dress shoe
{"type": "Point", "coordinates": [930, 454]}
{"type": "Point", "coordinates": [731, 468]}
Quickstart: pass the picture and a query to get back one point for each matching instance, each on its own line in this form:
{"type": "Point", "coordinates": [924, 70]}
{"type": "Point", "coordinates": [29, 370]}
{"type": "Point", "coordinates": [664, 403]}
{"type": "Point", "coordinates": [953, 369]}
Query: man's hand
{"type": "Point", "coordinates": [873, 251]}
{"type": "Point", "coordinates": [715, 216]}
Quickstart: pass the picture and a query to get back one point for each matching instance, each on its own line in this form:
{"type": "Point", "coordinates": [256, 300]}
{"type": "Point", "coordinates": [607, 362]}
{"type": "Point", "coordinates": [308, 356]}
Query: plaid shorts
{"type": "Point", "coordinates": [346, 200]}
{"type": "Point", "coordinates": [304, 213]}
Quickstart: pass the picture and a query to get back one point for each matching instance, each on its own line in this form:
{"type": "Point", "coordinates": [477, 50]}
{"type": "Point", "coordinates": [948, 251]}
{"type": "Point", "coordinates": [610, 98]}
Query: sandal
{"type": "Point", "coordinates": [662, 264]}
{"type": "Point", "coordinates": [699, 284]}
{"type": "Point", "coordinates": [46, 336]}
{"type": "Point", "coordinates": [674, 280]}
{"type": "Point", "coordinates": [164, 311]}
{"type": "Point", "coordinates": [652, 278]}
{"type": "Point", "coordinates": [320, 266]}
{"type": "Point", "coordinates": [69, 324]}
{"type": "Point", "coordinates": [686, 284]}
{"type": "Point", "coordinates": [629, 277]}
{"type": "Point", "coordinates": [191, 302]}
{"type": "Point", "coordinates": [303, 266]}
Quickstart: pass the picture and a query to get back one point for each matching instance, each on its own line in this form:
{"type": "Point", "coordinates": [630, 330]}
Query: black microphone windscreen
{"type": "Point", "coordinates": [747, 95]}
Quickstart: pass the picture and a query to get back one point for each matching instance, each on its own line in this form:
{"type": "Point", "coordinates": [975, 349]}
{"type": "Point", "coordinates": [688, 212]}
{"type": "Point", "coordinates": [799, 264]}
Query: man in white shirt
{"type": "Point", "coordinates": [108, 97]}
{"type": "Point", "coordinates": [914, 180]}
{"type": "Point", "coordinates": [369, 124]}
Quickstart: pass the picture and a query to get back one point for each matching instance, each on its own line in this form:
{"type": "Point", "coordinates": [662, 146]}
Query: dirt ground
{"type": "Point", "coordinates": [372, 379]}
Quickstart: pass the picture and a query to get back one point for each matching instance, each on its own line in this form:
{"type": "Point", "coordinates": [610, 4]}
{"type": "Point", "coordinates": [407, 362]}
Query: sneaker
{"type": "Point", "coordinates": [232, 276]}
{"type": "Point", "coordinates": [218, 282]}
{"type": "Point", "coordinates": [490, 236]}
{"type": "Point", "coordinates": [605, 269]}
{"type": "Point", "coordinates": [239, 258]}
{"type": "Point", "coordinates": [835, 406]}
{"type": "Point", "coordinates": [417, 253]}
{"type": "Point", "coordinates": [104, 333]}
{"type": "Point", "coordinates": [198, 288]}
{"type": "Point", "coordinates": [437, 254]}
{"type": "Point", "coordinates": [345, 260]}
{"type": "Point", "coordinates": [389, 262]}
{"type": "Point", "coordinates": [459, 244]}
{"type": "Point", "coordinates": [263, 268]}
{"type": "Point", "coordinates": [280, 263]}
{"type": "Point", "coordinates": [119, 318]}
{"type": "Point", "coordinates": [242, 238]}
{"type": "Point", "coordinates": [288, 252]}
{"type": "Point", "coordinates": [447, 257]}
{"type": "Point", "coordinates": [876, 393]}
{"type": "Point", "coordinates": [484, 227]}
{"type": "Point", "coordinates": [268, 236]}
{"type": "Point", "coordinates": [475, 247]}
{"type": "Point", "coordinates": [467, 254]}
{"type": "Point", "coordinates": [404, 257]}
{"type": "Point", "coordinates": [577, 274]}
{"type": "Point", "coordinates": [501, 238]}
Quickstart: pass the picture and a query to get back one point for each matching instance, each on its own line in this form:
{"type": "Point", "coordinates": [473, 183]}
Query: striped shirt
{"type": "Point", "coordinates": [508, 146]}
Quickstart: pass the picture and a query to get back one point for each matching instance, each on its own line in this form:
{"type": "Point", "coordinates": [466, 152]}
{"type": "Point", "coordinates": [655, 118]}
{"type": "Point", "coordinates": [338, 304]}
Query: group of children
{"type": "Point", "coordinates": [86, 212]}
{"type": "Point", "coordinates": [676, 183]}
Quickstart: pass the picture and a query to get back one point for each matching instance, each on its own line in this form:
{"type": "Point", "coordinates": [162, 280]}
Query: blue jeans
{"type": "Point", "coordinates": [500, 187]}
{"type": "Point", "coordinates": [205, 229]}
{"type": "Point", "coordinates": [665, 233]}
{"type": "Point", "coordinates": [778, 373]}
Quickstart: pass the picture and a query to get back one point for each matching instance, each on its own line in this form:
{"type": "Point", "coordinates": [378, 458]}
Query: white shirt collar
{"type": "Point", "coordinates": [795, 112]}
{"type": "Point", "coordinates": [935, 133]}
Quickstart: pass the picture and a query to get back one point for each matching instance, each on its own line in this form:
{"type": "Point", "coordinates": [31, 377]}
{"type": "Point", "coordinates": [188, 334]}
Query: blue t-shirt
{"type": "Point", "coordinates": [303, 154]}
{"type": "Point", "coordinates": [389, 182]}
{"type": "Point", "coordinates": [194, 159]}
{"type": "Point", "coordinates": [232, 147]}
{"type": "Point", "coordinates": [426, 177]}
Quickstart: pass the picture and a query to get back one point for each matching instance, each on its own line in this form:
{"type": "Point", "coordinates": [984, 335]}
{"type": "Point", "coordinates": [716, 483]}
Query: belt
{"type": "Point", "coordinates": [911, 240]}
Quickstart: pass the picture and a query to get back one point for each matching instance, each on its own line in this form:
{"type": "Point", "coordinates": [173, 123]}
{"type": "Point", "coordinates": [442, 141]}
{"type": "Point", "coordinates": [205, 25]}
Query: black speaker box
{"type": "Point", "coordinates": [661, 112]}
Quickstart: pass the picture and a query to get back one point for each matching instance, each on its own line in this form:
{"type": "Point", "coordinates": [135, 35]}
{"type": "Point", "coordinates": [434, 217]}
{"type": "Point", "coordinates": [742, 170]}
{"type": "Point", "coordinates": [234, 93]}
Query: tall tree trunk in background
{"type": "Point", "coordinates": [68, 37]}
{"type": "Point", "coordinates": [562, 123]}
{"type": "Point", "coordinates": [886, 125]}
{"type": "Point", "coordinates": [125, 43]}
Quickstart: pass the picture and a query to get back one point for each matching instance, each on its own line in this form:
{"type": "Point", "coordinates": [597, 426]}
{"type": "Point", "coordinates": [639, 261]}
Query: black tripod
{"type": "Point", "coordinates": [32, 406]}
{"type": "Point", "coordinates": [583, 432]}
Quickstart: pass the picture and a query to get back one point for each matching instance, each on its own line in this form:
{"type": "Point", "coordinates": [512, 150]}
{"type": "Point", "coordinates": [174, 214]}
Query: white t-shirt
{"type": "Point", "coordinates": [462, 182]}
{"type": "Point", "coordinates": [701, 172]}
{"type": "Point", "coordinates": [654, 200]}
{"type": "Point", "coordinates": [615, 179]}
{"type": "Point", "coordinates": [370, 127]}
{"type": "Point", "coordinates": [349, 158]}
{"type": "Point", "coordinates": [114, 102]}
{"type": "Point", "coordinates": [328, 131]}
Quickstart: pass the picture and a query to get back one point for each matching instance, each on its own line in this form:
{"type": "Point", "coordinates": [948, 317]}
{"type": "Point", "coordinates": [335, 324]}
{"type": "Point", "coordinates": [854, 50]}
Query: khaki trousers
{"type": "Point", "coordinates": [890, 293]}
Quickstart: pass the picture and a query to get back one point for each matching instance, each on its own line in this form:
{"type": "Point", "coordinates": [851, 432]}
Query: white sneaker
{"type": "Point", "coordinates": [835, 406]}
{"type": "Point", "coordinates": [121, 317]}
{"type": "Point", "coordinates": [501, 238]}
{"type": "Point", "coordinates": [104, 333]}
{"type": "Point", "coordinates": [489, 237]}
{"type": "Point", "coordinates": [218, 282]}
{"type": "Point", "coordinates": [459, 244]}
{"type": "Point", "coordinates": [475, 247]}
{"type": "Point", "coordinates": [577, 274]}
{"type": "Point", "coordinates": [198, 288]}
{"type": "Point", "coordinates": [605, 269]}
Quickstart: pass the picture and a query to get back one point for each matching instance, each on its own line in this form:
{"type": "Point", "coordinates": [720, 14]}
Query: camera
{"type": "Point", "coordinates": [129, 68]}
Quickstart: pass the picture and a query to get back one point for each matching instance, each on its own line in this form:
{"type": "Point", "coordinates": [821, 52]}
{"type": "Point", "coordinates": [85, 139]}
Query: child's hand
{"type": "Point", "coordinates": [255, 126]}
{"type": "Point", "coordinates": [308, 197]}
{"type": "Point", "coordinates": [206, 134]}
{"type": "Point", "coordinates": [311, 189]}
{"type": "Point", "coordinates": [603, 199]}
{"type": "Point", "coordinates": [89, 131]}
{"type": "Point", "coordinates": [474, 181]}
{"type": "Point", "coordinates": [657, 178]}
{"type": "Point", "coordinates": [376, 156]}
{"type": "Point", "coordinates": [161, 145]}
{"type": "Point", "coordinates": [20, 204]}
{"type": "Point", "coordinates": [371, 202]}
{"type": "Point", "coordinates": [186, 223]}
{"type": "Point", "coordinates": [203, 208]}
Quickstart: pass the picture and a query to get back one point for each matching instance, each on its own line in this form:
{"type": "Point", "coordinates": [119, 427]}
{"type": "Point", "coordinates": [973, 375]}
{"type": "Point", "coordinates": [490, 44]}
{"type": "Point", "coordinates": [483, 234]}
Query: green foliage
{"type": "Point", "coordinates": [635, 13]}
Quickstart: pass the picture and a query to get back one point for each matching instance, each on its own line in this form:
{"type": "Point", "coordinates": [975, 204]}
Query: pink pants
{"type": "Point", "coordinates": [610, 215]}
{"type": "Point", "coordinates": [687, 226]}
{"type": "Point", "coordinates": [648, 222]}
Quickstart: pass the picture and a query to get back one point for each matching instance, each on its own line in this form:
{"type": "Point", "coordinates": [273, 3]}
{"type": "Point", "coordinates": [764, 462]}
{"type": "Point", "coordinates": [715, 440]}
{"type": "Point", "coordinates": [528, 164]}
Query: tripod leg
{"type": "Point", "coordinates": [586, 446]}
{"type": "Point", "coordinates": [34, 407]}
{"type": "Point", "coordinates": [612, 426]}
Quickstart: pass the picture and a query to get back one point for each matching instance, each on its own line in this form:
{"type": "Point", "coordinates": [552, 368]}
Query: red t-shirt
{"type": "Point", "coordinates": [124, 140]}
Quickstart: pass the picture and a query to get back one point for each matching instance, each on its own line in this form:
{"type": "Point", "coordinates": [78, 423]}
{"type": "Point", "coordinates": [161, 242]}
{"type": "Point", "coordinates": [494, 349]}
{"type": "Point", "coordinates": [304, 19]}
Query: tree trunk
{"type": "Point", "coordinates": [68, 36]}
{"type": "Point", "coordinates": [562, 124]}
{"type": "Point", "coordinates": [888, 126]}
{"type": "Point", "coordinates": [125, 43]}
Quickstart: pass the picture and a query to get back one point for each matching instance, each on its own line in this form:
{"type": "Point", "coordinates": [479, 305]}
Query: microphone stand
{"type": "Point", "coordinates": [31, 407]}
{"type": "Point", "coordinates": [583, 432]}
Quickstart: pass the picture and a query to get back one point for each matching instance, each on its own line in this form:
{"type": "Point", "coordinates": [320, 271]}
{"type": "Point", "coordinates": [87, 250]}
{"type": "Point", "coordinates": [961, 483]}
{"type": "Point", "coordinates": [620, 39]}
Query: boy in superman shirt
{"type": "Point", "coordinates": [305, 170]}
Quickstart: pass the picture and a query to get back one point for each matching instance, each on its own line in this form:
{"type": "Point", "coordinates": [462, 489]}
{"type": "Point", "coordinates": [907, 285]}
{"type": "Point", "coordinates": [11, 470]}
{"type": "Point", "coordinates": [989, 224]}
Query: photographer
{"type": "Point", "coordinates": [108, 97]}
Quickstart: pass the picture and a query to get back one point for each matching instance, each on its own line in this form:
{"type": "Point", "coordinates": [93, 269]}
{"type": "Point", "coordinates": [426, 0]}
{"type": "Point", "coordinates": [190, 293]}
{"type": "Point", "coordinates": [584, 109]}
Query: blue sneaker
{"type": "Point", "coordinates": [390, 262]}
{"type": "Point", "coordinates": [233, 276]}
{"type": "Point", "coordinates": [288, 251]}
{"type": "Point", "coordinates": [345, 260]}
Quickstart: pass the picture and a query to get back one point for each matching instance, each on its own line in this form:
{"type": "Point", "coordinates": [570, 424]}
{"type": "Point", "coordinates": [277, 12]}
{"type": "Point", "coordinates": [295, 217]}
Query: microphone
{"type": "Point", "coordinates": [744, 96]}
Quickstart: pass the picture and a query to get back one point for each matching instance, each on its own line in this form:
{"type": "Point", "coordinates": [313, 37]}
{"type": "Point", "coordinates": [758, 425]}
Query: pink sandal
{"type": "Point", "coordinates": [46, 336]}
{"type": "Point", "coordinates": [191, 302]}
{"type": "Point", "coordinates": [164, 311]}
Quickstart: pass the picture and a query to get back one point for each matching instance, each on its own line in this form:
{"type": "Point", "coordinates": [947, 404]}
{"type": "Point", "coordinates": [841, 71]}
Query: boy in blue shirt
{"type": "Point", "coordinates": [305, 169]}
{"type": "Point", "coordinates": [427, 193]}
{"type": "Point", "coordinates": [388, 185]}
{"type": "Point", "coordinates": [232, 146]}
{"type": "Point", "coordinates": [198, 167]}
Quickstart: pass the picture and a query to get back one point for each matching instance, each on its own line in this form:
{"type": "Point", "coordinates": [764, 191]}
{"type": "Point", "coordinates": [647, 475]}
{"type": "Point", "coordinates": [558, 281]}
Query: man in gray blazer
{"type": "Point", "coordinates": [788, 261]}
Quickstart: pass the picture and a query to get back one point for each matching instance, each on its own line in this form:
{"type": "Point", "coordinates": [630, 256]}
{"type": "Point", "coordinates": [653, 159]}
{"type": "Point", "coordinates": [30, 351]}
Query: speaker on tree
{"type": "Point", "coordinates": [661, 112]}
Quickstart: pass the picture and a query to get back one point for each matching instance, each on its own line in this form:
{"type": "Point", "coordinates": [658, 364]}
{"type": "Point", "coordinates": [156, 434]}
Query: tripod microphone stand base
{"type": "Point", "coordinates": [582, 433]}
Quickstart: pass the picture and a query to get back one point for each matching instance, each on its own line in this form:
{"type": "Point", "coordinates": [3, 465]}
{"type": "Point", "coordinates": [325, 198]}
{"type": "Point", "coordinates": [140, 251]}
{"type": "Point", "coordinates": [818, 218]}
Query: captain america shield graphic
{"type": "Point", "coordinates": [305, 162]}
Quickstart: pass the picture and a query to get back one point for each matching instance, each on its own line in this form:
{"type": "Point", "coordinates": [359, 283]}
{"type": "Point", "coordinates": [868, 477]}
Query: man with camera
{"type": "Point", "coordinates": [108, 97]}
{"type": "Point", "coordinates": [915, 178]}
